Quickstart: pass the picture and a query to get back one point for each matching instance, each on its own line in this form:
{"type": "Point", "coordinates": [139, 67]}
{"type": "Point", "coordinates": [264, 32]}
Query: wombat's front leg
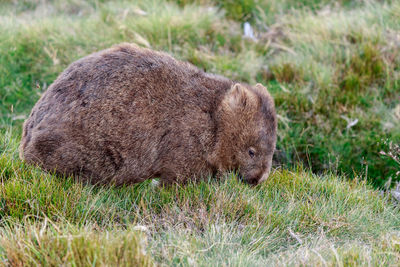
{"type": "Point", "coordinates": [168, 177]}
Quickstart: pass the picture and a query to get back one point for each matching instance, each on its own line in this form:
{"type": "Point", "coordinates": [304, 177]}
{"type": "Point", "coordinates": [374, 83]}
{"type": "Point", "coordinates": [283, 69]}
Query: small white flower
{"type": "Point", "coordinates": [248, 31]}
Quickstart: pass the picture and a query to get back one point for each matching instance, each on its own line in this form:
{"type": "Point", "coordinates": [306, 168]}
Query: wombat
{"type": "Point", "coordinates": [127, 114]}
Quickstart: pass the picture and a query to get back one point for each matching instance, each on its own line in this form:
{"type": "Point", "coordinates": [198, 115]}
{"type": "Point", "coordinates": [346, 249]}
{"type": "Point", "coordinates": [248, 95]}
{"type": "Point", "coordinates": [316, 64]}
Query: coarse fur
{"type": "Point", "coordinates": [127, 114]}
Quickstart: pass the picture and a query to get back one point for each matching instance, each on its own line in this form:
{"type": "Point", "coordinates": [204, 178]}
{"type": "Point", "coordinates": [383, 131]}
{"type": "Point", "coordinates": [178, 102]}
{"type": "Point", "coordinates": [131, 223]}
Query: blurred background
{"type": "Point", "coordinates": [332, 66]}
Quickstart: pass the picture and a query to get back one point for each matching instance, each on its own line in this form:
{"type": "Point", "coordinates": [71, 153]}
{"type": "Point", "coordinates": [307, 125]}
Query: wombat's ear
{"type": "Point", "coordinates": [239, 97]}
{"type": "Point", "coordinates": [264, 91]}
{"type": "Point", "coordinates": [261, 89]}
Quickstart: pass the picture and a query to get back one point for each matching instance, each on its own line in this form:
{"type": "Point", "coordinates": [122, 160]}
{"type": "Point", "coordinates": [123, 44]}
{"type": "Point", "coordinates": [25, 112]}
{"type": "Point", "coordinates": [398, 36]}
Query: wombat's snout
{"type": "Point", "coordinates": [254, 179]}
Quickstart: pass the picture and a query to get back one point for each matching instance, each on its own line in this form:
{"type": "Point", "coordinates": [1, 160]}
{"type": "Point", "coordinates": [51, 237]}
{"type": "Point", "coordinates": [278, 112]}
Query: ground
{"type": "Point", "coordinates": [333, 69]}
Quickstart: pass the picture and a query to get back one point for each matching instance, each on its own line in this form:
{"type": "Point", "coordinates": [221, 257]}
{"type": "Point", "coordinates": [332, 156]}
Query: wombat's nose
{"type": "Point", "coordinates": [252, 181]}
{"type": "Point", "coordinates": [248, 180]}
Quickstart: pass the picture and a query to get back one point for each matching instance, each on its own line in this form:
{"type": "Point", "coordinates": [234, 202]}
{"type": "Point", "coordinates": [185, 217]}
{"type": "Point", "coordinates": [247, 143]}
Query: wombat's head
{"type": "Point", "coordinates": [246, 132]}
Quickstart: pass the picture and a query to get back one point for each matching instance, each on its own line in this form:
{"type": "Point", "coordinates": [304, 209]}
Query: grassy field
{"type": "Point", "coordinates": [333, 69]}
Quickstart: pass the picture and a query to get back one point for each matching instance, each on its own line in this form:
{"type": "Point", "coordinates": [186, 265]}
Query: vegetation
{"type": "Point", "coordinates": [333, 69]}
{"type": "Point", "coordinates": [295, 218]}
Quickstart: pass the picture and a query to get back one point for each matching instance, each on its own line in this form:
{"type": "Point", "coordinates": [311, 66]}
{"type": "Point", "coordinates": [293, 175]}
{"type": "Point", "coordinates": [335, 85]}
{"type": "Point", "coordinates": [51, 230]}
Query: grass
{"type": "Point", "coordinates": [294, 218]}
{"type": "Point", "coordinates": [333, 69]}
{"type": "Point", "coordinates": [29, 246]}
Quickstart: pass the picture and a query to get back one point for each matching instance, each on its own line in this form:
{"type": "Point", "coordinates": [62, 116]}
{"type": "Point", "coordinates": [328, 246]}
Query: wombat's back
{"type": "Point", "coordinates": [121, 114]}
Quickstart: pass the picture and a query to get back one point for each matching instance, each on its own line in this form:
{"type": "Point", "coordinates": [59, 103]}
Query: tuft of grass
{"type": "Point", "coordinates": [47, 244]}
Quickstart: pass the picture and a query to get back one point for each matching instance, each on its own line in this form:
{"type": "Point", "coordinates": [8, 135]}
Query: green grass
{"type": "Point", "coordinates": [326, 63]}
{"type": "Point", "coordinates": [294, 218]}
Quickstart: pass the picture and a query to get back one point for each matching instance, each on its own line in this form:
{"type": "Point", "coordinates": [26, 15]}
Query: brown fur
{"type": "Point", "coordinates": [127, 114]}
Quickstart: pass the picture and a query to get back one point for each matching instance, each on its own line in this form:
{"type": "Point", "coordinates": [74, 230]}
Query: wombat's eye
{"type": "Point", "coordinates": [252, 152]}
